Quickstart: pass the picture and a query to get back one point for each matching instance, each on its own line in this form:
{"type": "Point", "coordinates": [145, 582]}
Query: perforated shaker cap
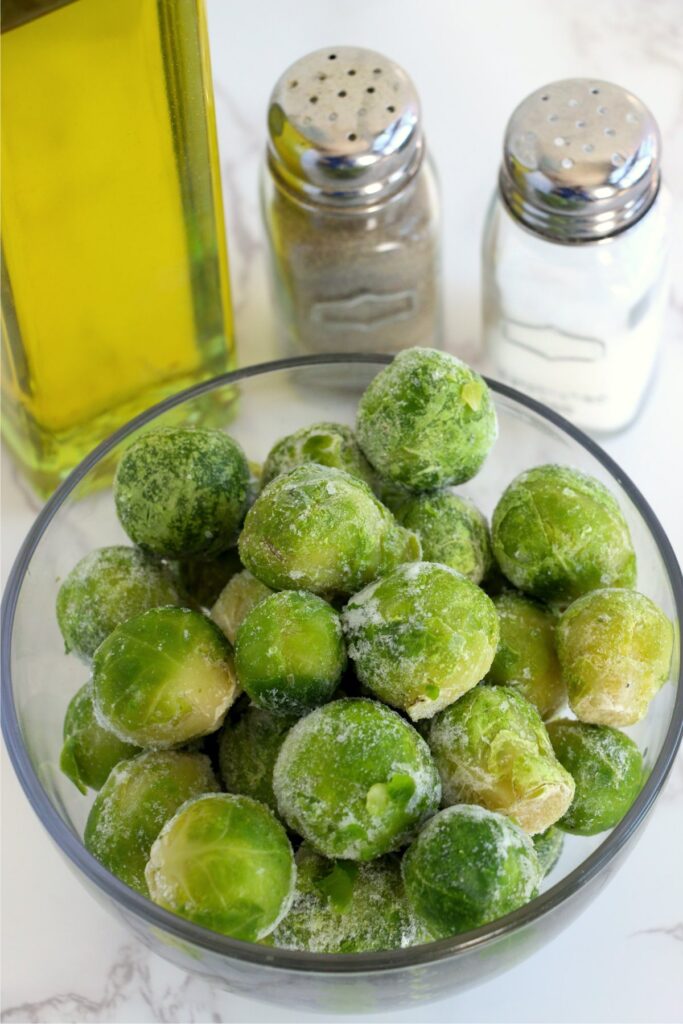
{"type": "Point", "coordinates": [580, 160]}
{"type": "Point", "coordinates": [344, 127]}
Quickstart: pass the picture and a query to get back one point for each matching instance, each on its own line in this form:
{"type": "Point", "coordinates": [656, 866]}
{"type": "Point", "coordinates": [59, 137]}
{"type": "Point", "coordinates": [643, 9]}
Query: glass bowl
{"type": "Point", "coordinates": [257, 406]}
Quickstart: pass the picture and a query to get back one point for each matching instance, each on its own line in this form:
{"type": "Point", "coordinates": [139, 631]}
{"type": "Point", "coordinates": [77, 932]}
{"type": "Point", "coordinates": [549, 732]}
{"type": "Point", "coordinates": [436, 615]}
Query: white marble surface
{"type": "Point", "coordinates": [64, 959]}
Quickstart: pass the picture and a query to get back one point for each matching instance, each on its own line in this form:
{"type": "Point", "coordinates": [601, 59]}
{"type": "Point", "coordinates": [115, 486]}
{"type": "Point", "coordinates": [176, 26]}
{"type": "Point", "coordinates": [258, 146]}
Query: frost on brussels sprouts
{"type": "Point", "coordinates": [327, 444]}
{"type": "Point", "coordinates": [139, 796]}
{"type": "Point", "coordinates": [421, 637]}
{"type": "Point", "coordinates": [355, 779]}
{"type": "Point", "coordinates": [491, 748]}
{"type": "Point", "coordinates": [451, 530]}
{"type": "Point", "coordinates": [289, 653]}
{"type": "Point", "coordinates": [90, 751]}
{"type": "Point", "coordinates": [164, 678]}
{"type": "Point", "coordinates": [469, 866]}
{"type": "Point", "coordinates": [321, 529]}
{"type": "Point", "coordinates": [182, 492]}
{"type": "Point", "coordinates": [107, 587]}
{"type": "Point", "coordinates": [427, 420]}
{"type": "Point", "coordinates": [236, 600]}
{"type": "Point", "coordinates": [558, 533]}
{"type": "Point", "coordinates": [607, 768]}
{"type": "Point", "coordinates": [615, 647]}
{"type": "Point", "coordinates": [224, 862]}
{"type": "Point", "coordinates": [247, 752]}
{"type": "Point", "coordinates": [526, 657]}
{"type": "Point", "coordinates": [548, 846]}
{"type": "Point", "coordinates": [344, 906]}
{"type": "Point", "coordinates": [203, 582]}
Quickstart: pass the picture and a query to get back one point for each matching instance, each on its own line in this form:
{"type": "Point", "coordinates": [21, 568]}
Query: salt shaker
{"type": "Point", "coordinates": [575, 252]}
{"type": "Point", "coordinates": [350, 206]}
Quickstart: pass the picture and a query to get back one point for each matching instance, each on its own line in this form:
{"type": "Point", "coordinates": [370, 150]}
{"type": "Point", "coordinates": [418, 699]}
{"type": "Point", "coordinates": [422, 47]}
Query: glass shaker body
{"type": "Point", "coordinates": [350, 207]}
{"type": "Point", "coordinates": [577, 326]}
{"type": "Point", "coordinates": [360, 279]}
{"type": "Point", "coordinates": [114, 277]}
{"type": "Point", "coordinates": [575, 252]}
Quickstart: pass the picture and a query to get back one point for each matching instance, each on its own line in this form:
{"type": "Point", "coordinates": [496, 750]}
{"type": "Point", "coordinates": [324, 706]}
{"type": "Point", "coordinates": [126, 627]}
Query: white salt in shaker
{"type": "Point", "coordinates": [575, 253]}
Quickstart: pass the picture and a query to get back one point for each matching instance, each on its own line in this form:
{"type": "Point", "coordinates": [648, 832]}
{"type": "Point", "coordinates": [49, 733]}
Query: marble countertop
{"type": "Point", "coordinates": [64, 958]}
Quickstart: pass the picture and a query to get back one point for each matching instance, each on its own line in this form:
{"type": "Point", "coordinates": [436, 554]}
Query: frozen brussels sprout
{"type": "Point", "coordinates": [164, 678]}
{"type": "Point", "coordinates": [355, 779]}
{"type": "Point", "coordinates": [323, 530]}
{"type": "Point", "coordinates": [526, 657]}
{"type": "Point", "coordinates": [236, 600]}
{"type": "Point", "coordinates": [607, 768]}
{"type": "Point", "coordinates": [327, 444]}
{"type": "Point", "coordinates": [182, 492]}
{"type": "Point", "coordinates": [469, 866]}
{"type": "Point", "coordinates": [104, 589]}
{"type": "Point", "coordinates": [137, 799]}
{"type": "Point", "coordinates": [615, 648]}
{"type": "Point", "coordinates": [342, 906]}
{"type": "Point", "coordinates": [224, 862]}
{"type": "Point", "coordinates": [421, 637]}
{"type": "Point", "coordinates": [491, 748]}
{"type": "Point", "coordinates": [90, 751]}
{"type": "Point", "coordinates": [548, 846]}
{"type": "Point", "coordinates": [427, 420]}
{"type": "Point", "coordinates": [204, 582]}
{"type": "Point", "coordinates": [558, 533]}
{"type": "Point", "coordinates": [289, 653]}
{"type": "Point", "coordinates": [451, 531]}
{"type": "Point", "coordinates": [247, 752]}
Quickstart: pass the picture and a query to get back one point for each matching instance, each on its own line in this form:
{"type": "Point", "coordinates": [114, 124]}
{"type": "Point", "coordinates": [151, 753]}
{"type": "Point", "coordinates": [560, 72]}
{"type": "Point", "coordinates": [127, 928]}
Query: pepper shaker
{"type": "Point", "coordinates": [575, 252]}
{"type": "Point", "coordinates": [350, 206]}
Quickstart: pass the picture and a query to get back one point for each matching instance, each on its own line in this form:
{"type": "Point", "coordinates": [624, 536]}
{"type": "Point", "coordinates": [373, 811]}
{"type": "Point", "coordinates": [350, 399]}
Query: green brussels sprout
{"type": "Point", "coordinates": [289, 653]}
{"type": "Point", "coordinates": [526, 658]}
{"type": "Point", "coordinates": [615, 648]}
{"type": "Point", "coordinates": [327, 444]}
{"type": "Point", "coordinates": [323, 530]}
{"type": "Point", "coordinates": [182, 492]}
{"type": "Point", "coordinates": [421, 637]}
{"type": "Point", "coordinates": [451, 530]}
{"type": "Point", "coordinates": [247, 752]}
{"type": "Point", "coordinates": [104, 589]}
{"type": "Point", "coordinates": [203, 582]}
{"type": "Point", "coordinates": [137, 799]}
{"type": "Point", "coordinates": [236, 600]}
{"type": "Point", "coordinates": [90, 751]}
{"type": "Point", "coordinates": [163, 678]}
{"type": "Point", "coordinates": [607, 768]}
{"type": "Point", "coordinates": [558, 533]}
{"type": "Point", "coordinates": [492, 749]}
{"type": "Point", "coordinates": [343, 906]}
{"type": "Point", "coordinates": [224, 862]}
{"type": "Point", "coordinates": [355, 779]}
{"type": "Point", "coordinates": [469, 866]}
{"type": "Point", "coordinates": [548, 846]}
{"type": "Point", "coordinates": [427, 420]}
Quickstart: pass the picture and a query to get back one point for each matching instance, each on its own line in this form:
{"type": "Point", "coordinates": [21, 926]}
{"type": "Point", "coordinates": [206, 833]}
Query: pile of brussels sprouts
{"type": "Point", "coordinates": [338, 658]}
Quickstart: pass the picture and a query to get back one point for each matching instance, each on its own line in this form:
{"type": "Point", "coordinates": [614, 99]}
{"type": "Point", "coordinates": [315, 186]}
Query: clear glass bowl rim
{"type": "Point", "coordinates": [349, 963]}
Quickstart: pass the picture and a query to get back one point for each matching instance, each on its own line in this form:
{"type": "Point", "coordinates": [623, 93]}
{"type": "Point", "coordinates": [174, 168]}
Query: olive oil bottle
{"type": "Point", "coordinates": [114, 268]}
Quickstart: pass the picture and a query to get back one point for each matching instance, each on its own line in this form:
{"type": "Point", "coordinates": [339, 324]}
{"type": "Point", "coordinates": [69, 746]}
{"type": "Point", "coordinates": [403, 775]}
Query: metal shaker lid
{"type": "Point", "coordinates": [580, 160]}
{"type": "Point", "coordinates": [344, 127]}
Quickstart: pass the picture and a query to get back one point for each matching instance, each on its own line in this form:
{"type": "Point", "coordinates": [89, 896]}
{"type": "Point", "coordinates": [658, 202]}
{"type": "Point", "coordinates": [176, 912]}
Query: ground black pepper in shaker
{"type": "Point", "coordinates": [350, 205]}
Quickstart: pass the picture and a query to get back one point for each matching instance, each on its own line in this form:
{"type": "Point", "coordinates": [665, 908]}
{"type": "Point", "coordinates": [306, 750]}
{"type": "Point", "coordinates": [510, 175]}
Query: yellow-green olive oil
{"type": "Point", "coordinates": [114, 271]}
